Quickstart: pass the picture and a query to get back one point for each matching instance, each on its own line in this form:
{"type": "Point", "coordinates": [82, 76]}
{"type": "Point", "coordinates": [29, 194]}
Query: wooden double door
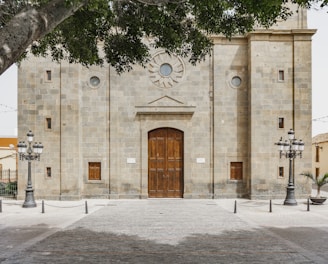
{"type": "Point", "coordinates": [165, 163]}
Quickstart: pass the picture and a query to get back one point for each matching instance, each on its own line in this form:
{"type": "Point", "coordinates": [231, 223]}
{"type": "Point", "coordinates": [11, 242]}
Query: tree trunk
{"type": "Point", "coordinates": [29, 25]}
{"type": "Point", "coordinates": [318, 192]}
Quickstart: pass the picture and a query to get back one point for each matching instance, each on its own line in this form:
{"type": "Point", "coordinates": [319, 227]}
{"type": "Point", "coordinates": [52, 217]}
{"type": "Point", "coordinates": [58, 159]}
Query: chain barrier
{"type": "Point", "coordinates": [249, 206]}
{"type": "Point", "coordinates": [85, 205]}
{"type": "Point", "coordinates": [57, 206]}
{"type": "Point", "coordinates": [243, 204]}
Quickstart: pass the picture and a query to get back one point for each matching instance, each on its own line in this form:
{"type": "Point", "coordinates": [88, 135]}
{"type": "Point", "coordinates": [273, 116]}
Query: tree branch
{"type": "Point", "coordinates": [29, 25]}
{"type": "Point", "coordinates": [160, 2]}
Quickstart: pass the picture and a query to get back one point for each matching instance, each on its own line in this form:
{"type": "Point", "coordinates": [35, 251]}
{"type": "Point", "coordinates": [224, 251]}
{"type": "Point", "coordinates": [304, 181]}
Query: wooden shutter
{"type": "Point", "coordinates": [317, 159]}
{"type": "Point", "coordinates": [236, 170]}
{"type": "Point", "coordinates": [94, 171]}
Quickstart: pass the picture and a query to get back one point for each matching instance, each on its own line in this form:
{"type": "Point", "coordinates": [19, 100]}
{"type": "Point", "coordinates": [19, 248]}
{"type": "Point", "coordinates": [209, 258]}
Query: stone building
{"type": "Point", "coordinates": [8, 158]}
{"type": "Point", "coordinates": [173, 129]}
{"type": "Point", "coordinates": [320, 154]}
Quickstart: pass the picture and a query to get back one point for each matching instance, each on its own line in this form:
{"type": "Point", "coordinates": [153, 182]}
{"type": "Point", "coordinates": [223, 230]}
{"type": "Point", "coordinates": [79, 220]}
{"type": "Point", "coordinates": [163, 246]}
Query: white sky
{"type": "Point", "coordinates": [319, 21]}
{"type": "Point", "coordinates": [316, 20]}
{"type": "Point", "coordinates": [8, 102]}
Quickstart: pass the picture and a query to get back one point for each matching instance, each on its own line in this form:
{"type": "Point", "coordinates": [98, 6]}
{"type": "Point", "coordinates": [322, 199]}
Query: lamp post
{"type": "Point", "coordinates": [29, 153]}
{"type": "Point", "coordinates": [290, 148]}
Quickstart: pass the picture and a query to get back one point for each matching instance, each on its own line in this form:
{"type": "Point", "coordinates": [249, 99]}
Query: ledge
{"type": "Point", "coordinates": [165, 110]}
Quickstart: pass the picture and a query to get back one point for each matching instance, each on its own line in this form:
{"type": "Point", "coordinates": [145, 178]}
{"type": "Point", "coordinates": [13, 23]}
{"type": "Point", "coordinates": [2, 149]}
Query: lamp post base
{"type": "Point", "coordinates": [29, 199]}
{"type": "Point", "coordinates": [290, 198]}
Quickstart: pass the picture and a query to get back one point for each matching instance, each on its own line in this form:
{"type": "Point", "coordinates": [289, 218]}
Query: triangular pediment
{"type": "Point", "coordinates": [165, 101]}
{"type": "Point", "coordinates": [165, 105]}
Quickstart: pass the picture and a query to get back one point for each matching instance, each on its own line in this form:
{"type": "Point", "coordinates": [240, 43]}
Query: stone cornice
{"type": "Point", "coordinates": [266, 35]}
{"type": "Point", "coordinates": [281, 35]}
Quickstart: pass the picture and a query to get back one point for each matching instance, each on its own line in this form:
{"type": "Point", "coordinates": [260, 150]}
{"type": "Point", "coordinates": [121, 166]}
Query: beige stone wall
{"type": "Point", "coordinates": [271, 99]}
{"type": "Point", "coordinates": [8, 157]}
{"type": "Point", "coordinates": [138, 106]}
{"type": "Point", "coordinates": [221, 122]}
{"type": "Point", "coordinates": [303, 104]}
{"type": "Point", "coordinates": [37, 99]}
{"type": "Point", "coordinates": [320, 142]}
{"type": "Point", "coordinates": [322, 164]}
{"type": "Point", "coordinates": [94, 127]}
{"type": "Point", "coordinates": [298, 19]}
{"type": "Point", "coordinates": [230, 116]}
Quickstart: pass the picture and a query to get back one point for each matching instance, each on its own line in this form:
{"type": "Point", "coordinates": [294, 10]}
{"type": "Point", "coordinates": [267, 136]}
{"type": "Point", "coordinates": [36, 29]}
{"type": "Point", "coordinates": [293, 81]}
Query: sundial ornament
{"type": "Point", "coordinates": [166, 70]}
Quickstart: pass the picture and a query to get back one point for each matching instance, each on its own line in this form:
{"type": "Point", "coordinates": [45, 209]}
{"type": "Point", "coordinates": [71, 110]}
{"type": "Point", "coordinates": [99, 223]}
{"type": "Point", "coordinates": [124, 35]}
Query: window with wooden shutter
{"type": "Point", "coordinates": [94, 171]}
{"type": "Point", "coordinates": [317, 154]}
{"type": "Point", "coordinates": [236, 171]}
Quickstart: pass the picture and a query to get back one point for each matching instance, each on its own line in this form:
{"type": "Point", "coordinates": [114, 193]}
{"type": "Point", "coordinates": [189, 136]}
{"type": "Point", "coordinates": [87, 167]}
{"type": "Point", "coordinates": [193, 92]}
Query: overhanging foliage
{"type": "Point", "coordinates": [178, 26]}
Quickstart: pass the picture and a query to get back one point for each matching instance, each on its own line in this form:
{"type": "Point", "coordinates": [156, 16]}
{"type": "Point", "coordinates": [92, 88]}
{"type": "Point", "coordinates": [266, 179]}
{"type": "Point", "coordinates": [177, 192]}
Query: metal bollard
{"type": "Point", "coordinates": [270, 209]}
{"type": "Point", "coordinates": [86, 207]}
{"type": "Point", "coordinates": [235, 209]}
{"type": "Point", "coordinates": [0, 206]}
{"type": "Point", "coordinates": [308, 204]}
{"type": "Point", "coordinates": [42, 206]}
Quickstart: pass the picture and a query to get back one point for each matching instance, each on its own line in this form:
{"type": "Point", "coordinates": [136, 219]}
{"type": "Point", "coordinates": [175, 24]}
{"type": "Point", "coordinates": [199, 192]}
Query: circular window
{"type": "Point", "coordinates": [165, 69]}
{"type": "Point", "coordinates": [236, 81]}
{"type": "Point", "coordinates": [94, 81]}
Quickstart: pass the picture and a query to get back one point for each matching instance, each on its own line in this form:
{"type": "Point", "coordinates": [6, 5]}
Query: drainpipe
{"type": "Point", "coordinates": [293, 96]}
{"type": "Point", "coordinates": [60, 130]}
{"type": "Point", "coordinates": [293, 83]}
{"type": "Point", "coordinates": [211, 98]}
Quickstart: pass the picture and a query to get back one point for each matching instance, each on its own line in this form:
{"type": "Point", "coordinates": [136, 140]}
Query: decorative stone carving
{"type": "Point", "coordinates": [166, 70]}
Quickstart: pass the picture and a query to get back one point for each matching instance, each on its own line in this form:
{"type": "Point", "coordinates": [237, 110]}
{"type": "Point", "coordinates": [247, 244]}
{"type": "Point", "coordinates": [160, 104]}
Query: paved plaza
{"type": "Point", "coordinates": [163, 231]}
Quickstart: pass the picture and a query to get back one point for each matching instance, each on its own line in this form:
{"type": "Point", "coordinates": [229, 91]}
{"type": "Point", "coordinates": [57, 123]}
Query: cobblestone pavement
{"type": "Point", "coordinates": [167, 231]}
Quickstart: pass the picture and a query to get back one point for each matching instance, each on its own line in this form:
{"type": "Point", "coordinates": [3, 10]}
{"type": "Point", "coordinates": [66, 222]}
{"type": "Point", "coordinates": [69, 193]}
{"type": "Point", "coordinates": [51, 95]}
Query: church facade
{"type": "Point", "coordinates": [171, 129]}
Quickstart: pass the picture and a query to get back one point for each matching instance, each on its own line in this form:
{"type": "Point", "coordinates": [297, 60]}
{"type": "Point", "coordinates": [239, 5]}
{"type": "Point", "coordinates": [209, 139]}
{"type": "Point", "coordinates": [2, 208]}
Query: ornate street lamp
{"type": "Point", "coordinates": [290, 148]}
{"type": "Point", "coordinates": [29, 153]}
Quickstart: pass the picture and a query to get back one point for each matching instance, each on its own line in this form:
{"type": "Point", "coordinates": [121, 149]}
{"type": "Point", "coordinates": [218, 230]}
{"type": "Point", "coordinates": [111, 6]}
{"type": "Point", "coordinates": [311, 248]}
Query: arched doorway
{"type": "Point", "coordinates": [165, 163]}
